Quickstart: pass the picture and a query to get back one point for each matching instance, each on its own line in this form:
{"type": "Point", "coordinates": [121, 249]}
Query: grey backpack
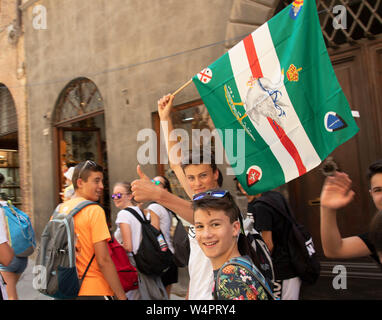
{"type": "Point", "coordinates": [56, 259]}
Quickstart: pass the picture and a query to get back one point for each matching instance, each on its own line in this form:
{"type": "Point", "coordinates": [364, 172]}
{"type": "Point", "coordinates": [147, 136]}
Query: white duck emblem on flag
{"type": "Point", "coordinates": [263, 99]}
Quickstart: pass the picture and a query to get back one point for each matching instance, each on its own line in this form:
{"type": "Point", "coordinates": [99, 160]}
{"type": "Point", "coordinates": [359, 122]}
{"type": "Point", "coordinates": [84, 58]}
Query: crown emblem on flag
{"type": "Point", "coordinates": [295, 9]}
{"type": "Point", "coordinates": [292, 73]}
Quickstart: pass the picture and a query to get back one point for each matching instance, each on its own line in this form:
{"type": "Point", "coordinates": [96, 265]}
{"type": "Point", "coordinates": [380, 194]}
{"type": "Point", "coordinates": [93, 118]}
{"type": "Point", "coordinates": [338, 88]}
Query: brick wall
{"type": "Point", "coordinates": [13, 77]}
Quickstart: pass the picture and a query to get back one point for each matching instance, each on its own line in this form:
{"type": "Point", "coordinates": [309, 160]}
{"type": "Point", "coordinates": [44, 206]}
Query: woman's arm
{"type": "Point", "coordinates": [6, 254]}
{"type": "Point", "coordinates": [126, 237]}
{"type": "Point", "coordinates": [155, 221]}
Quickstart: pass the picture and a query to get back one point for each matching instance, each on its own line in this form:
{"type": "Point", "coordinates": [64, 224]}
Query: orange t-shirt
{"type": "Point", "coordinates": [90, 227]}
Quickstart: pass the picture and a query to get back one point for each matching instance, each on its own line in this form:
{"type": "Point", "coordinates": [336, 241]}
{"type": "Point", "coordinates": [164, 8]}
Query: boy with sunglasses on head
{"type": "Point", "coordinates": [218, 228]}
{"type": "Point", "coordinates": [92, 234]}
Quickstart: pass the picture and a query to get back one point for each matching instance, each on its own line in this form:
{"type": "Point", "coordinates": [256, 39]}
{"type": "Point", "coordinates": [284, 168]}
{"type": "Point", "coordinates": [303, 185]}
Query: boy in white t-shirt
{"type": "Point", "coordinates": [195, 176]}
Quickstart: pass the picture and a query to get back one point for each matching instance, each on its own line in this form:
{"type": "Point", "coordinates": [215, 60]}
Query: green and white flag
{"type": "Point", "coordinates": [278, 85]}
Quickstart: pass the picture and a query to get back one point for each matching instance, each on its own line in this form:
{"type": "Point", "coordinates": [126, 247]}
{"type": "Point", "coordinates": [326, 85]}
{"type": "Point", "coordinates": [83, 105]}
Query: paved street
{"type": "Point", "coordinates": [26, 292]}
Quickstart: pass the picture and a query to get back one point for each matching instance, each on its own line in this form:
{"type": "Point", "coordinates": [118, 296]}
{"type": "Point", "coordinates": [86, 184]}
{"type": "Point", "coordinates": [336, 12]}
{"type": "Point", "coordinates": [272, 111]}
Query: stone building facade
{"type": "Point", "coordinates": [14, 132]}
{"type": "Point", "coordinates": [133, 52]}
{"type": "Point", "coordinates": [85, 77]}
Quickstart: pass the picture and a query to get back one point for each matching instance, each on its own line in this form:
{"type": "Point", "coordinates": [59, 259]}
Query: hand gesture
{"type": "Point", "coordinates": [143, 189]}
{"type": "Point", "coordinates": [336, 191]}
{"type": "Point", "coordinates": [165, 106]}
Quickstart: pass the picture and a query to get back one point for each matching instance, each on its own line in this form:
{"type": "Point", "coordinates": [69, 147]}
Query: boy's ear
{"type": "Point", "coordinates": [80, 183]}
{"type": "Point", "coordinates": [216, 174]}
{"type": "Point", "coordinates": [236, 228]}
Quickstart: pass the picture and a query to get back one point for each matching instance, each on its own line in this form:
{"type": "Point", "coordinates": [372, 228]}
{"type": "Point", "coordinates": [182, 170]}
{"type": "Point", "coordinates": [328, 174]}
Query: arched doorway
{"type": "Point", "coordinates": [80, 131]}
{"type": "Point", "coordinates": [9, 146]}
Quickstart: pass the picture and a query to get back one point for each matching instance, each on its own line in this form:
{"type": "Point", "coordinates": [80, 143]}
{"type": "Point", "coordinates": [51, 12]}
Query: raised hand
{"type": "Point", "coordinates": [336, 192]}
{"type": "Point", "coordinates": [143, 189]}
{"type": "Point", "coordinates": [165, 106]}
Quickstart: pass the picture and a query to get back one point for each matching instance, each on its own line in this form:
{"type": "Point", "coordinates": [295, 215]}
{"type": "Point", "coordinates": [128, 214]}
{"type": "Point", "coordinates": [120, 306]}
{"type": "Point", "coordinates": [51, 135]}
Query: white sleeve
{"type": "Point", "coordinates": [159, 210]}
{"type": "Point", "coordinates": [3, 233]}
{"type": "Point", "coordinates": [123, 217]}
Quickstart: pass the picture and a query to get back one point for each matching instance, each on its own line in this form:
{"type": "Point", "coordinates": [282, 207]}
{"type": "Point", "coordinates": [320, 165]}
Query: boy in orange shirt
{"type": "Point", "coordinates": [92, 235]}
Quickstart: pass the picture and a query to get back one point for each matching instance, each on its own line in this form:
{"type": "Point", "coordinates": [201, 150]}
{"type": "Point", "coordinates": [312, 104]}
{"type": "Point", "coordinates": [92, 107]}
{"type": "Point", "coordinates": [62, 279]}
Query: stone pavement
{"type": "Point", "coordinates": [26, 291]}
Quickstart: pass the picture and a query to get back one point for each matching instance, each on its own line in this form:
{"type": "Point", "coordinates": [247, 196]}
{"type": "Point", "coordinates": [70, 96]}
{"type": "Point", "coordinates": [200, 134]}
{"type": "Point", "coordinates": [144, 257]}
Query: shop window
{"type": "Point", "coordinates": [9, 168]}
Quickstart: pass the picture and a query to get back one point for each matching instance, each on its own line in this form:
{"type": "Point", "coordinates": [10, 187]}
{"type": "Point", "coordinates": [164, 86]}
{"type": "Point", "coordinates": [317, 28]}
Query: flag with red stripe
{"type": "Point", "coordinates": [278, 85]}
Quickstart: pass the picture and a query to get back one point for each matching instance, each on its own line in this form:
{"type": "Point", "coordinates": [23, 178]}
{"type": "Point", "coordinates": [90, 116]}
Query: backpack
{"type": "Point", "coordinates": [181, 244]}
{"type": "Point", "coordinates": [19, 229]}
{"type": "Point", "coordinates": [264, 256]}
{"type": "Point", "coordinates": [153, 256]}
{"type": "Point", "coordinates": [127, 273]}
{"type": "Point", "coordinates": [251, 269]}
{"type": "Point", "coordinates": [262, 252]}
{"type": "Point", "coordinates": [56, 258]}
{"type": "Point", "coordinates": [300, 243]}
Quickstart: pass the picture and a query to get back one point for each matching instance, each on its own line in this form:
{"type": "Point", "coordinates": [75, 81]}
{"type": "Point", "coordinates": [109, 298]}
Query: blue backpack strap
{"type": "Point", "coordinates": [80, 206]}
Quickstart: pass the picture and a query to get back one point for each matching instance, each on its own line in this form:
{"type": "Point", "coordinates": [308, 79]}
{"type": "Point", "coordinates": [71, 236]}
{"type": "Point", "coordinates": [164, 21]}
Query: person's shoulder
{"type": "Point", "coordinates": [272, 195]}
{"type": "Point", "coordinates": [155, 207]}
{"type": "Point", "coordinates": [365, 238]}
{"type": "Point", "coordinates": [123, 213]}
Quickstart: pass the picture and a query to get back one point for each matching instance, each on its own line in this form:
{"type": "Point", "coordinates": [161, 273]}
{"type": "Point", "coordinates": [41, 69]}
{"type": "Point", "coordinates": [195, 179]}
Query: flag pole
{"type": "Point", "coordinates": [182, 87]}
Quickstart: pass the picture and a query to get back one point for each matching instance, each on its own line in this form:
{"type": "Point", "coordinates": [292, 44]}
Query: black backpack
{"type": "Point", "coordinates": [264, 256]}
{"type": "Point", "coordinates": [300, 243]}
{"type": "Point", "coordinates": [181, 244]}
{"type": "Point", "coordinates": [262, 253]}
{"type": "Point", "coordinates": [153, 256]}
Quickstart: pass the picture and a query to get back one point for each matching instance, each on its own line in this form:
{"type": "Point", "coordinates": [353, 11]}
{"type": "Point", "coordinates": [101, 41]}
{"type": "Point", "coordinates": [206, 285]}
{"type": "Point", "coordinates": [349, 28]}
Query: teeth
{"type": "Point", "coordinates": [210, 243]}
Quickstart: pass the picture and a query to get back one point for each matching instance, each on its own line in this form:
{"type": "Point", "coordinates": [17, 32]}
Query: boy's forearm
{"type": "Point", "coordinates": [110, 274]}
{"type": "Point", "coordinates": [330, 235]}
{"type": "Point", "coordinates": [181, 207]}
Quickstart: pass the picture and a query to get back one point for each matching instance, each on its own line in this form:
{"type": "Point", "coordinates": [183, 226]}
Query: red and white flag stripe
{"type": "Point", "coordinates": [294, 151]}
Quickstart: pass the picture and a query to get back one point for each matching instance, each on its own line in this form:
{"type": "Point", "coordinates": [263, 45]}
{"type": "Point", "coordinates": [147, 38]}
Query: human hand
{"type": "Point", "coordinates": [336, 192]}
{"type": "Point", "coordinates": [165, 106]}
{"type": "Point", "coordinates": [143, 189]}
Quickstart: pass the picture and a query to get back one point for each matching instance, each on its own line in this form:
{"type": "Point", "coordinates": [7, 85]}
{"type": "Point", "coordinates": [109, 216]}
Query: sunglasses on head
{"type": "Point", "coordinates": [88, 163]}
{"type": "Point", "coordinates": [156, 182]}
{"type": "Point", "coordinates": [117, 195]}
{"type": "Point", "coordinates": [211, 193]}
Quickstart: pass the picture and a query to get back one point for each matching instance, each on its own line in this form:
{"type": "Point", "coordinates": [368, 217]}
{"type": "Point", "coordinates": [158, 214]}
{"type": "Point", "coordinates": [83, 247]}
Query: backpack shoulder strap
{"type": "Point", "coordinates": [136, 215]}
{"type": "Point", "coordinates": [174, 214]}
{"type": "Point", "coordinates": [81, 206]}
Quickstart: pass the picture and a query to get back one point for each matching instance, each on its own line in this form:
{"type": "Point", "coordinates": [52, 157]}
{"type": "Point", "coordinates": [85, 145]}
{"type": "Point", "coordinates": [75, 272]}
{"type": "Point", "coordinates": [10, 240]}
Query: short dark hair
{"type": "Point", "coordinates": [195, 158]}
{"type": "Point", "coordinates": [375, 234]}
{"type": "Point", "coordinates": [374, 168]}
{"type": "Point", "coordinates": [226, 204]}
{"type": "Point", "coordinates": [83, 170]}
